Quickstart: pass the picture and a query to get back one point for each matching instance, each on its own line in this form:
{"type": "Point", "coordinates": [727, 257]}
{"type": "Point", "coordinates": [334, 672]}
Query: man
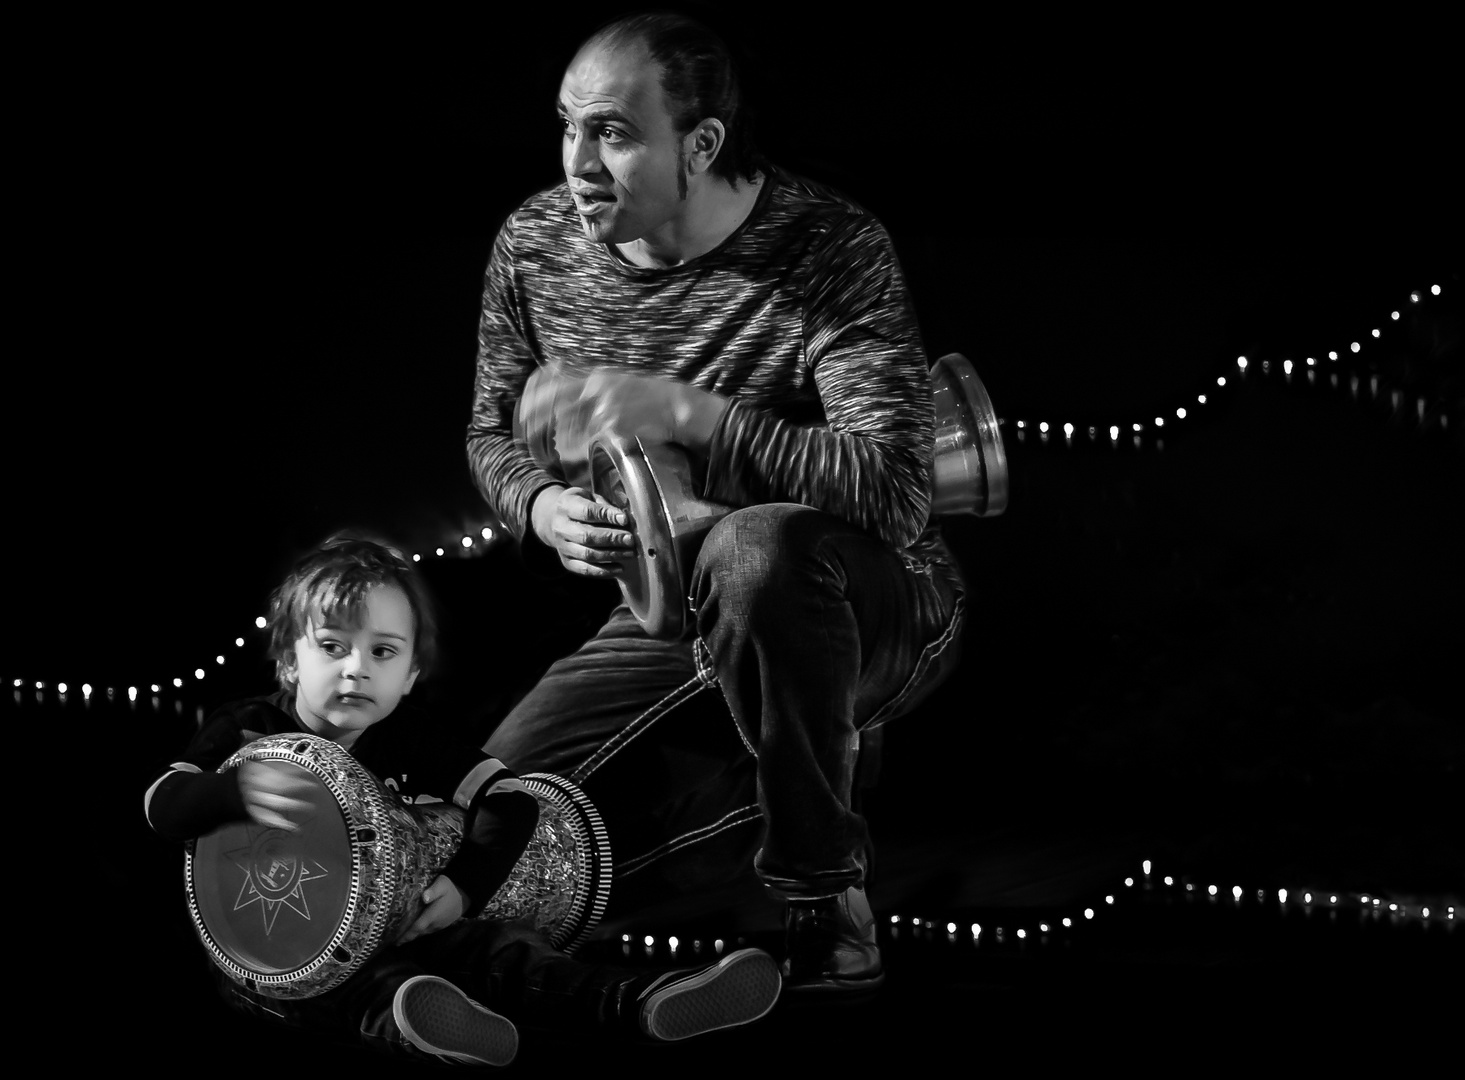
{"type": "Point", "coordinates": [760, 323]}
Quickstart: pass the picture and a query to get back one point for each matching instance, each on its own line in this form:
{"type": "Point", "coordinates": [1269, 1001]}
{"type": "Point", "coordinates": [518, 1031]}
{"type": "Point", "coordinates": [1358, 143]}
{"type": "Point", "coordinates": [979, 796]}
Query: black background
{"type": "Point", "coordinates": [251, 251]}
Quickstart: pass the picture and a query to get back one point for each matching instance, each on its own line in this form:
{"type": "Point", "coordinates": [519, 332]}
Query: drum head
{"type": "Point", "coordinates": [269, 899]}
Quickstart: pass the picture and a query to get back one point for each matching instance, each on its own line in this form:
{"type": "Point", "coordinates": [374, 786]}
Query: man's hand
{"type": "Point", "coordinates": [443, 905]}
{"type": "Point", "coordinates": [276, 795]}
{"type": "Point", "coordinates": [592, 537]}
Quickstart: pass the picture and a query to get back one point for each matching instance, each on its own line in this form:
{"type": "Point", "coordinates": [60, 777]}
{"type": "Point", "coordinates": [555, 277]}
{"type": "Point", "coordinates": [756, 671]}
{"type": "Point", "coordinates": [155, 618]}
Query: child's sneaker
{"type": "Point", "coordinates": [740, 988]}
{"type": "Point", "coordinates": [439, 1019]}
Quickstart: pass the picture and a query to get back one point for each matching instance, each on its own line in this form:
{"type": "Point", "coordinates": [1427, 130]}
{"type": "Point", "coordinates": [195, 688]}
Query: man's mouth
{"type": "Point", "coordinates": [590, 203]}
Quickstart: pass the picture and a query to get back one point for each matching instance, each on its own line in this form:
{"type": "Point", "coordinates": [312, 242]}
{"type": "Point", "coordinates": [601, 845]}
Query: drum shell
{"type": "Point", "coordinates": [384, 854]}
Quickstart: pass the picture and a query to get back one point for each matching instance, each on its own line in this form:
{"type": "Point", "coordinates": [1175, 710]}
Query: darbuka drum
{"type": "Point", "coordinates": [654, 483]}
{"type": "Point", "coordinates": [293, 914]}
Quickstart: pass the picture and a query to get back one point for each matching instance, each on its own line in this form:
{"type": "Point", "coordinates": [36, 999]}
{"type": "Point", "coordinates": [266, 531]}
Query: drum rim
{"type": "Point", "coordinates": [668, 618]}
{"type": "Point", "coordinates": [593, 883]}
{"type": "Point", "coordinates": [309, 978]}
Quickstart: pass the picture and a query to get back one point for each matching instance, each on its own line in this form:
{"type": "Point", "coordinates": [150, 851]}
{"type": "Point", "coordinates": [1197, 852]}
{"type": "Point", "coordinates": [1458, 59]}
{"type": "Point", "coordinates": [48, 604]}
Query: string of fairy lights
{"type": "Point", "coordinates": [1034, 927]}
{"type": "Point", "coordinates": [1322, 366]}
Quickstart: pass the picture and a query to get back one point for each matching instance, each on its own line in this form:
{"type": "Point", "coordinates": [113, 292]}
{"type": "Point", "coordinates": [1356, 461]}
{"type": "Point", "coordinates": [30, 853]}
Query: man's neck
{"type": "Point", "coordinates": [715, 211]}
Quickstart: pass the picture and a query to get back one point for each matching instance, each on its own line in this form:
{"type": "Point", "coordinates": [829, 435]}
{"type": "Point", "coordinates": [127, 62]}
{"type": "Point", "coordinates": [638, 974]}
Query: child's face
{"type": "Point", "coordinates": [349, 677]}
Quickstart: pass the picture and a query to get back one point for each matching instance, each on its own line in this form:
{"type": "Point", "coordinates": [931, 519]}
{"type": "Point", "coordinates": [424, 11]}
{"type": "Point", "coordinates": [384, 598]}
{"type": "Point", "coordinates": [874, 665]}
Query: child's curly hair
{"type": "Point", "coordinates": [333, 580]}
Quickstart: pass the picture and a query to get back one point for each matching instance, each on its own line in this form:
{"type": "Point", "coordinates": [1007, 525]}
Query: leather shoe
{"type": "Point", "coordinates": [831, 945]}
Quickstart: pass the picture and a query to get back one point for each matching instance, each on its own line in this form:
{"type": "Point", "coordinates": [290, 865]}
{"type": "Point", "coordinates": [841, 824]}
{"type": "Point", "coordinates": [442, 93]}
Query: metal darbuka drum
{"type": "Point", "coordinates": [969, 467]}
{"type": "Point", "coordinates": [654, 484]}
{"type": "Point", "coordinates": [294, 914]}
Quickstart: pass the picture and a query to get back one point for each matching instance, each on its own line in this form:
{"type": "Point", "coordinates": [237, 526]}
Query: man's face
{"type": "Point", "coordinates": [350, 675]}
{"type": "Point", "coordinates": [622, 157]}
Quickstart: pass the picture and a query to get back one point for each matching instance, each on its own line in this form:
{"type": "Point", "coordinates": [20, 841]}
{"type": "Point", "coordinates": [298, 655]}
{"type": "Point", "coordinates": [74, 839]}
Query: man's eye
{"type": "Point", "coordinates": [610, 135]}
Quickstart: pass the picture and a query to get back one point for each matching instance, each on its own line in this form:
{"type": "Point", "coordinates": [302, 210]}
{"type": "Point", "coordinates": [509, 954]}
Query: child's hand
{"type": "Point", "coordinates": [273, 791]}
{"type": "Point", "coordinates": [444, 905]}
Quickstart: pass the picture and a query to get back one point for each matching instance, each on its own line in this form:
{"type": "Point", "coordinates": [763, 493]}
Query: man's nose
{"type": "Point", "coordinates": [582, 156]}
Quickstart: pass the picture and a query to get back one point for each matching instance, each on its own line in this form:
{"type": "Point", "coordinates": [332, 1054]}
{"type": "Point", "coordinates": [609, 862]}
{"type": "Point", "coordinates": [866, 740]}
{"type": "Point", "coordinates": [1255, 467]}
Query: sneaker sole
{"type": "Point", "coordinates": [437, 1017]}
{"type": "Point", "coordinates": [743, 987]}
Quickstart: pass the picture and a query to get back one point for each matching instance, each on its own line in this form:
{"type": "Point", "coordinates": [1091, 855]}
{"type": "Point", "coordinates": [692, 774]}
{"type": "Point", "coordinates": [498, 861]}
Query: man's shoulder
{"type": "Point", "coordinates": [550, 208]}
{"type": "Point", "coordinates": [816, 208]}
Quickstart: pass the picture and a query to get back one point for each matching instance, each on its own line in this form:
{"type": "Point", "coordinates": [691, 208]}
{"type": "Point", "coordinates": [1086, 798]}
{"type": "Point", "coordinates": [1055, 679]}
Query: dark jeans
{"type": "Point", "coordinates": [507, 967]}
{"type": "Point", "coordinates": [807, 632]}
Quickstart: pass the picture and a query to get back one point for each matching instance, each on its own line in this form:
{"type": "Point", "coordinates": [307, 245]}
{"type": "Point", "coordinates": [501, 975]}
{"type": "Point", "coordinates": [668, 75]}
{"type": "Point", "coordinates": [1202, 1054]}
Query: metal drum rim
{"type": "Point", "coordinates": [279, 747]}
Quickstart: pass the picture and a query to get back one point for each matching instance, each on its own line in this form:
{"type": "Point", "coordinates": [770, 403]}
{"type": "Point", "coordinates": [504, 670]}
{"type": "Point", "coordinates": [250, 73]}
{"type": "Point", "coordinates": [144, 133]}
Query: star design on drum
{"type": "Point", "coordinates": [274, 877]}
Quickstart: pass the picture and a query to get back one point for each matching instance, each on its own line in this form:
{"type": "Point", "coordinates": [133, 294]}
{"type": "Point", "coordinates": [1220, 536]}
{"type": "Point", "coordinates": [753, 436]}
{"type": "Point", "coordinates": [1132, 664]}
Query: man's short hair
{"type": "Point", "coordinates": [700, 79]}
{"type": "Point", "coordinates": [333, 581]}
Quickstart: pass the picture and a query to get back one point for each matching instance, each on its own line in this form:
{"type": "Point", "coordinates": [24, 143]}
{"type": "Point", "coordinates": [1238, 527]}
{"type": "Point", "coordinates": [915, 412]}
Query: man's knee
{"type": "Point", "coordinates": [758, 552]}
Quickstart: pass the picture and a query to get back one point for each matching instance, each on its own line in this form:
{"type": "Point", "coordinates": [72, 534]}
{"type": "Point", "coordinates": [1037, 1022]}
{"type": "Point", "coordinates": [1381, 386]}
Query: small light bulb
{"type": "Point", "coordinates": [61, 688]}
{"type": "Point", "coordinates": [1022, 933]}
{"type": "Point", "coordinates": [1180, 414]}
{"type": "Point", "coordinates": [1201, 398]}
{"type": "Point", "coordinates": [439, 552]}
{"type": "Point", "coordinates": [218, 659]}
{"type": "Point", "coordinates": [673, 942]}
{"type": "Point", "coordinates": [1282, 895]}
{"type": "Point", "coordinates": [1043, 927]}
{"type": "Point", "coordinates": [1068, 431]}
{"type": "Point", "coordinates": [1355, 346]}
{"type": "Point", "coordinates": [86, 689]}
{"type": "Point", "coordinates": [177, 682]}
{"type": "Point", "coordinates": [1067, 921]}
{"type": "Point", "coordinates": [976, 929]}
{"type": "Point", "coordinates": [467, 541]}
{"type": "Point", "coordinates": [895, 918]}
{"type": "Point", "coordinates": [1212, 890]}
{"type": "Point", "coordinates": [1021, 424]}
{"type": "Point", "coordinates": [239, 642]}
{"type": "Point", "coordinates": [1287, 367]}
{"type": "Point", "coordinates": [1236, 893]}
{"type": "Point", "coordinates": [1169, 880]}
{"type": "Point", "coordinates": [259, 623]}
{"type": "Point", "coordinates": [626, 938]}
{"type": "Point", "coordinates": [1088, 913]}
{"type": "Point", "coordinates": [1394, 315]}
{"type": "Point", "coordinates": [1435, 289]}
{"type": "Point", "coordinates": [1114, 432]}
{"type": "Point", "coordinates": [1139, 427]}
{"type": "Point", "coordinates": [1311, 362]}
{"type": "Point", "coordinates": [487, 533]}
{"type": "Point", "coordinates": [1043, 427]}
{"type": "Point", "coordinates": [1129, 882]}
{"type": "Point", "coordinates": [1414, 298]}
{"type": "Point", "coordinates": [1109, 899]}
{"type": "Point", "coordinates": [1307, 898]}
{"type": "Point", "coordinates": [132, 693]}
{"type": "Point", "coordinates": [1375, 333]}
{"type": "Point", "coordinates": [416, 557]}
{"type": "Point", "coordinates": [198, 673]}
{"type": "Point", "coordinates": [1424, 912]}
{"type": "Point", "coordinates": [1221, 381]}
{"type": "Point", "coordinates": [1241, 362]}
{"type": "Point", "coordinates": [650, 941]}
{"type": "Point", "coordinates": [951, 928]}
{"type": "Point", "coordinates": [1146, 864]}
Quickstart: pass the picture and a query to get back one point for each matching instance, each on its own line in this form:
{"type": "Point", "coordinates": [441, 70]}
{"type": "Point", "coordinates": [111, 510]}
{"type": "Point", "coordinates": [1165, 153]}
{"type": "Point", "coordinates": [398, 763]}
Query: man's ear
{"type": "Point", "coordinates": [704, 143]}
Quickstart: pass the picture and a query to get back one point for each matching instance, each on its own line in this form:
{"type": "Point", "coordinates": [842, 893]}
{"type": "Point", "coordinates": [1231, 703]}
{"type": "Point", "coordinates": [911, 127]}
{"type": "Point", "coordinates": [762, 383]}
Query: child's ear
{"type": "Point", "coordinates": [411, 679]}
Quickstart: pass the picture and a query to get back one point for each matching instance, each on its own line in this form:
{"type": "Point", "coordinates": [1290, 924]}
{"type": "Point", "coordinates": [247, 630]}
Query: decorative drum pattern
{"type": "Point", "coordinates": [294, 914]}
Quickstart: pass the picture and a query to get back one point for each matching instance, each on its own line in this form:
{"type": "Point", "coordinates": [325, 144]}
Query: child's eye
{"type": "Point", "coordinates": [384, 652]}
{"type": "Point", "coordinates": [334, 648]}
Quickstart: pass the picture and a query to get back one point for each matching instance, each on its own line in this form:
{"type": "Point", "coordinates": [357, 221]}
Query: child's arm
{"type": "Point", "coordinates": [501, 818]}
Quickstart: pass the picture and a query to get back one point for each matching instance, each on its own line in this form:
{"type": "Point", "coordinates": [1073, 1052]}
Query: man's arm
{"type": "Point", "coordinates": [872, 464]}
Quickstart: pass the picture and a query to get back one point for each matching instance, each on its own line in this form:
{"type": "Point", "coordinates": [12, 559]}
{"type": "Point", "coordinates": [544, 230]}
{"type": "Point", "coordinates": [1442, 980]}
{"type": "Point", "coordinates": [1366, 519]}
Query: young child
{"type": "Point", "coordinates": [351, 631]}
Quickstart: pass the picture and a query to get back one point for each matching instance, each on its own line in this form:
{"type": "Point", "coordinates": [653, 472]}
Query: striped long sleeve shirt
{"type": "Point", "coordinates": [801, 317]}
